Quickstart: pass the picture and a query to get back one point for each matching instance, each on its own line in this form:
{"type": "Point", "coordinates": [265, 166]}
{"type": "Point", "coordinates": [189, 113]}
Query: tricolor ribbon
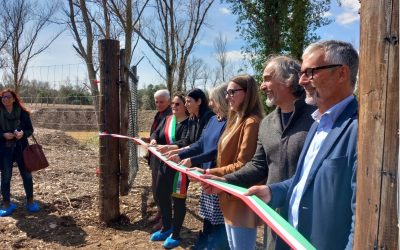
{"type": "Point", "coordinates": [279, 225]}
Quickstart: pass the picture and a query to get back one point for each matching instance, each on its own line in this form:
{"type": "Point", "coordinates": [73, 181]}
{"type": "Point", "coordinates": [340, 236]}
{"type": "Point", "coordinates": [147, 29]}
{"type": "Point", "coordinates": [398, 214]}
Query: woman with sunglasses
{"type": "Point", "coordinates": [204, 153]}
{"type": "Point", "coordinates": [15, 128]}
{"type": "Point", "coordinates": [235, 148]}
{"type": "Point", "coordinates": [171, 131]}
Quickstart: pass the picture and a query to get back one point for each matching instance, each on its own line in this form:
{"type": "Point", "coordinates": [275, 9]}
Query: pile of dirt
{"type": "Point", "coordinates": [78, 118]}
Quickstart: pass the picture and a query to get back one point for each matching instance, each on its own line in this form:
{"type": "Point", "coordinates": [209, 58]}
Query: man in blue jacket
{"type": "Point", "coordinates": [319, 200]}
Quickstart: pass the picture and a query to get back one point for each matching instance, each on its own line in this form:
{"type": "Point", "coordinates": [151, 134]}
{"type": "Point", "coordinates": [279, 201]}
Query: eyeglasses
{"type": "Point", "coordinates": [309, 72]}
{"type": "Point", "coordinates": [176, 104]}
{"type": "Point", "coordinates": [6, 97]}
{"type": "Point", "coordinates": [231, 92]}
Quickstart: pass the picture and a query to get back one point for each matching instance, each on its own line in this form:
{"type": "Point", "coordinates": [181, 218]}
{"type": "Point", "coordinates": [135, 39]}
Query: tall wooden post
{"type": "Point", "coordinates": [109, 122]}
{"type": "Point", "coordinates": [124, 120]}
{"type": "Point", "coordinates": [378, 141]}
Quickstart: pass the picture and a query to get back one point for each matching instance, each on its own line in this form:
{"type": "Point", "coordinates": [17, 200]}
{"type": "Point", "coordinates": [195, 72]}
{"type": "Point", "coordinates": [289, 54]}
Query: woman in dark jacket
{"type": "Point", "coordinates": [204, 153]}
{"type": "Point", "coordinates": [15, 128]}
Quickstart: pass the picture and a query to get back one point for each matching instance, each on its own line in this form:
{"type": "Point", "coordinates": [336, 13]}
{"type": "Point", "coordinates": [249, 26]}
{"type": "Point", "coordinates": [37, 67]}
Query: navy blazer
{"type": "Point", "coordinates": [327, 206]}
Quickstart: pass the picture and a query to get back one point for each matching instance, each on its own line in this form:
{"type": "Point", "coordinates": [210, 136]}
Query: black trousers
{"type": "Point", "coordinates": [172, 216]}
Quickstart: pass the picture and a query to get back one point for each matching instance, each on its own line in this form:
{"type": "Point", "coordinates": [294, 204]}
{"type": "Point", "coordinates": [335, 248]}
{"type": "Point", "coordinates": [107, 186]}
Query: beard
{"type": "Point", "coordinates": [270, 101]}
{"type": "Point", "coordinates": [311, 99]}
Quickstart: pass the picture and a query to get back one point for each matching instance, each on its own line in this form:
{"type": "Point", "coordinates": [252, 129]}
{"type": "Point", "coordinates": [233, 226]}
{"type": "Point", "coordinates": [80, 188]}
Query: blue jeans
{"type": "Point", "coordinates": [241, 238]}
{"type": "Point", "coordinates": [9, 156]}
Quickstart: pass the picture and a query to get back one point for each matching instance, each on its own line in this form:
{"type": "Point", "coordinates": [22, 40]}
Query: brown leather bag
{"type": "Point", "coordinates": [34, 157]}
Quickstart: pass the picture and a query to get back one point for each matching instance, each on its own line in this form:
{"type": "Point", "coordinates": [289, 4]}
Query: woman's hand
{"type": "Point", "coordinates": [9, 136]}
{"type": "Point", "coordinates": [209, 189]}
{"type": "Point", "coordinates": [172, 152]}
{"type": "Point", "coordinates": [195, 169]}
{"type": "Point", "coordinates": [163, 148]}
{"type": "Point", "coordinates": [175, 158]}
{"type": "Point", "coordinates": [186, 162]}
{"type": "Point", "coordinates": [18, 134]}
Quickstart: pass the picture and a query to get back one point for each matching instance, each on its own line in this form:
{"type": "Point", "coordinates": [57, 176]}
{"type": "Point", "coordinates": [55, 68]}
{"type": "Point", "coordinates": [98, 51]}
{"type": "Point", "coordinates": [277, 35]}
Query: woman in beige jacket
{"type": "Point", "coordinates": [236, 147]}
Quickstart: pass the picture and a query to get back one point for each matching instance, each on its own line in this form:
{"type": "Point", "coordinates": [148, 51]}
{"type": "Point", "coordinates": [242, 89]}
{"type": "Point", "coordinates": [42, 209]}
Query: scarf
{"type": "Point", "coordinates": [10, 121]}
{"type": "Point", "coordinates": [179, 185]}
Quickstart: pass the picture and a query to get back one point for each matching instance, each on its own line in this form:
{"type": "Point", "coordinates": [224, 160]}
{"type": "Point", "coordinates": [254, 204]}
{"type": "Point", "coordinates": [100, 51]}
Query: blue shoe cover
{"type": "Point", "coordinates": [8, 211]}
{"type": "Point", "coordinates": [160, 236]}
{"type": "Point", "coordinates": [33, 208]}
{"type": "Point", "coordinates": [171, 243]}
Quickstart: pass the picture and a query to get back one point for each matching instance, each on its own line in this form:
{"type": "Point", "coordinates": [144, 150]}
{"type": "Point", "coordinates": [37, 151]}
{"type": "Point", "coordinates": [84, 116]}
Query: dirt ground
{"type": "Point", "coordinates": [67, 192]}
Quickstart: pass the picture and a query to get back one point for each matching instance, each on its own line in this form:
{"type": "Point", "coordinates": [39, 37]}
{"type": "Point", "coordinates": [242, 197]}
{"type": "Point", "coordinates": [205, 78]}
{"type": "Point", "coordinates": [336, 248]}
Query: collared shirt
{"type": "Point", "coordinates": [325, 123]}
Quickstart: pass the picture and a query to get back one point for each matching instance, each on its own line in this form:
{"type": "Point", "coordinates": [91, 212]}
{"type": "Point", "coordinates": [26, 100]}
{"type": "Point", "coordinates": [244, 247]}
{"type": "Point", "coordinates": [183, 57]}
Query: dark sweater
{"type": "Point", "coordinates": [278, 149]}
{"type": "Point", "coordinates": [204, 151]}
{"type": "Point", "coordinates": [196, 126]}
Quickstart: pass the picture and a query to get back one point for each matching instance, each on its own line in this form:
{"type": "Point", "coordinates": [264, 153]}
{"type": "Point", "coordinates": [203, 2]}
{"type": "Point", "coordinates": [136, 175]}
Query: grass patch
{"type": "Point", "coordinates": [91, 138]}
{"type": "Point", "coordinates": [88, 138]}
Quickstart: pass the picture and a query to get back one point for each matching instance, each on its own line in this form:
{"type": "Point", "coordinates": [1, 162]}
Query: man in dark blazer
{"type": "Point", "coordinates": [282, 132]}
{"type": "Point", "coordinates": [319, 200]}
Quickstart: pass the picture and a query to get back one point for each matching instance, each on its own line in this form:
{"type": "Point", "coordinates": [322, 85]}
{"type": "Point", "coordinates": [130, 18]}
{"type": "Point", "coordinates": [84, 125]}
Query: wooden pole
{"type": "Point", "coordinates": [378, 141]}
{"type": "Point", "coordinates": [124, 119]}
{"type": "Point", "coordinates": [109, 122]}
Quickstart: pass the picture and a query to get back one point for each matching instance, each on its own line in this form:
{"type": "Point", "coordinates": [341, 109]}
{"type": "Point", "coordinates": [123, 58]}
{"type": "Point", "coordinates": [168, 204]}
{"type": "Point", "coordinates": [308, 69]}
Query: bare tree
{"type": "Point", "coordinates": [194, 72]}
{"type": "Point", "coordinates": [26, 20]}
{"type": "Point", "coordinates": [128, 14]}
{"type": "Point", "coordinates": [172, 34]}
{"type": "Point", "coordinates": [221, 55]}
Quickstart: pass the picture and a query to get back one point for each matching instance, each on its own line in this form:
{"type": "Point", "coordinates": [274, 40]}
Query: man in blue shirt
{"type": "Point", "coordinates": [319, 200]}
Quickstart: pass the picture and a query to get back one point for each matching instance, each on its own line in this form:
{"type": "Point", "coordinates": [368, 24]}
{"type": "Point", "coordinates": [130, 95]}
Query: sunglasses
{"type": "Point", "coordinates": [176, 104]}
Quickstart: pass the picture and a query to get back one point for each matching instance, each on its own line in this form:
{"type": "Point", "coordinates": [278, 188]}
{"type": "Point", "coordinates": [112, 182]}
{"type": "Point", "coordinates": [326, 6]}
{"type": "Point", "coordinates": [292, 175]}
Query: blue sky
{"type": "Point", "coordinates": [60, 61]}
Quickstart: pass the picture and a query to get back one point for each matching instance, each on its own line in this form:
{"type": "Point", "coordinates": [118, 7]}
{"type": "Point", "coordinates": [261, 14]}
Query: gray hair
{"type": "Point", "coordinates": [337, 52]}
{"type": "Point", "coordinates": [217, 94]}
{"type": "Point", "coordinates": [162, 92]}
{"type": "Point", "coordinates": [286, 69]}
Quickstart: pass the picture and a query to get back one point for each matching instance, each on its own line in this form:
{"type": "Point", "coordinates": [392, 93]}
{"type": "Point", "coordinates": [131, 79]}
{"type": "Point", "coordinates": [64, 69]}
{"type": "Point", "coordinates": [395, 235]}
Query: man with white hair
{"type": "Point", "coordinates": [320, 198]}
{"type": "Point", "coordinates": [162, 102]}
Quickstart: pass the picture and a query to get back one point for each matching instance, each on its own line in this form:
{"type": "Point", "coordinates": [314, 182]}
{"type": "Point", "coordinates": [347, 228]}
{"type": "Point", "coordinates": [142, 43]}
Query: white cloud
{"type": "Point", "coordinates": [347, 18]}
{"type": "Point", "coordinates": [350, 12]}
{"type": "Point", "coordinates": [327, 14]}
{"type": "Point", "coordinates": [351, 5]}
{"type": "Point", "coordinates": [236, 55]}
{"type": "Point", "coordinates": [224, 11]}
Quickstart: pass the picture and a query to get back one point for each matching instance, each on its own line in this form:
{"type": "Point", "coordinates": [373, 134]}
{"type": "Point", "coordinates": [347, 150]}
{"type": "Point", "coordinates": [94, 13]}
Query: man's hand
{"type": "Point", "coordinates": [262, 191]}
{"type": "Point", "coordinates": [153, 143]}
{"type": "Point", "coordinates": [172, 152]}
{"type": "Point", "coordinates": [9, 136]}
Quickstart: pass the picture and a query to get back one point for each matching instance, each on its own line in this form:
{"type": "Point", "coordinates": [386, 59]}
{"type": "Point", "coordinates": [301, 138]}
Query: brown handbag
{"type": "Point", "coordinates": [34, 157]}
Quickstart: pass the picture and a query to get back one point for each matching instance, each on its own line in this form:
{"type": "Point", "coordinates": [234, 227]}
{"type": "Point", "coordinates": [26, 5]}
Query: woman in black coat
{"type": "Point", "coordinates": [15, 128]}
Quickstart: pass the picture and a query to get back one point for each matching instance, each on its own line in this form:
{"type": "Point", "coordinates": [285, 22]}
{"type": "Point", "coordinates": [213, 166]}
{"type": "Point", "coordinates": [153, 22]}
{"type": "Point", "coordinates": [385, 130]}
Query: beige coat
{"type": "Point", "coordinates": [234, 151]}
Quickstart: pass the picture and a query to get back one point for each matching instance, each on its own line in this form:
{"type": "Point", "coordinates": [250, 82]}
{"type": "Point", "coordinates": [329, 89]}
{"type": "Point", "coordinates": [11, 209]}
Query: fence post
{"type": "Point", "coordinates": [109, 122]}
{"type": "Point", "coordinates": [378, 139]}
{"type": "Point", "coordinates": [123, 144]}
